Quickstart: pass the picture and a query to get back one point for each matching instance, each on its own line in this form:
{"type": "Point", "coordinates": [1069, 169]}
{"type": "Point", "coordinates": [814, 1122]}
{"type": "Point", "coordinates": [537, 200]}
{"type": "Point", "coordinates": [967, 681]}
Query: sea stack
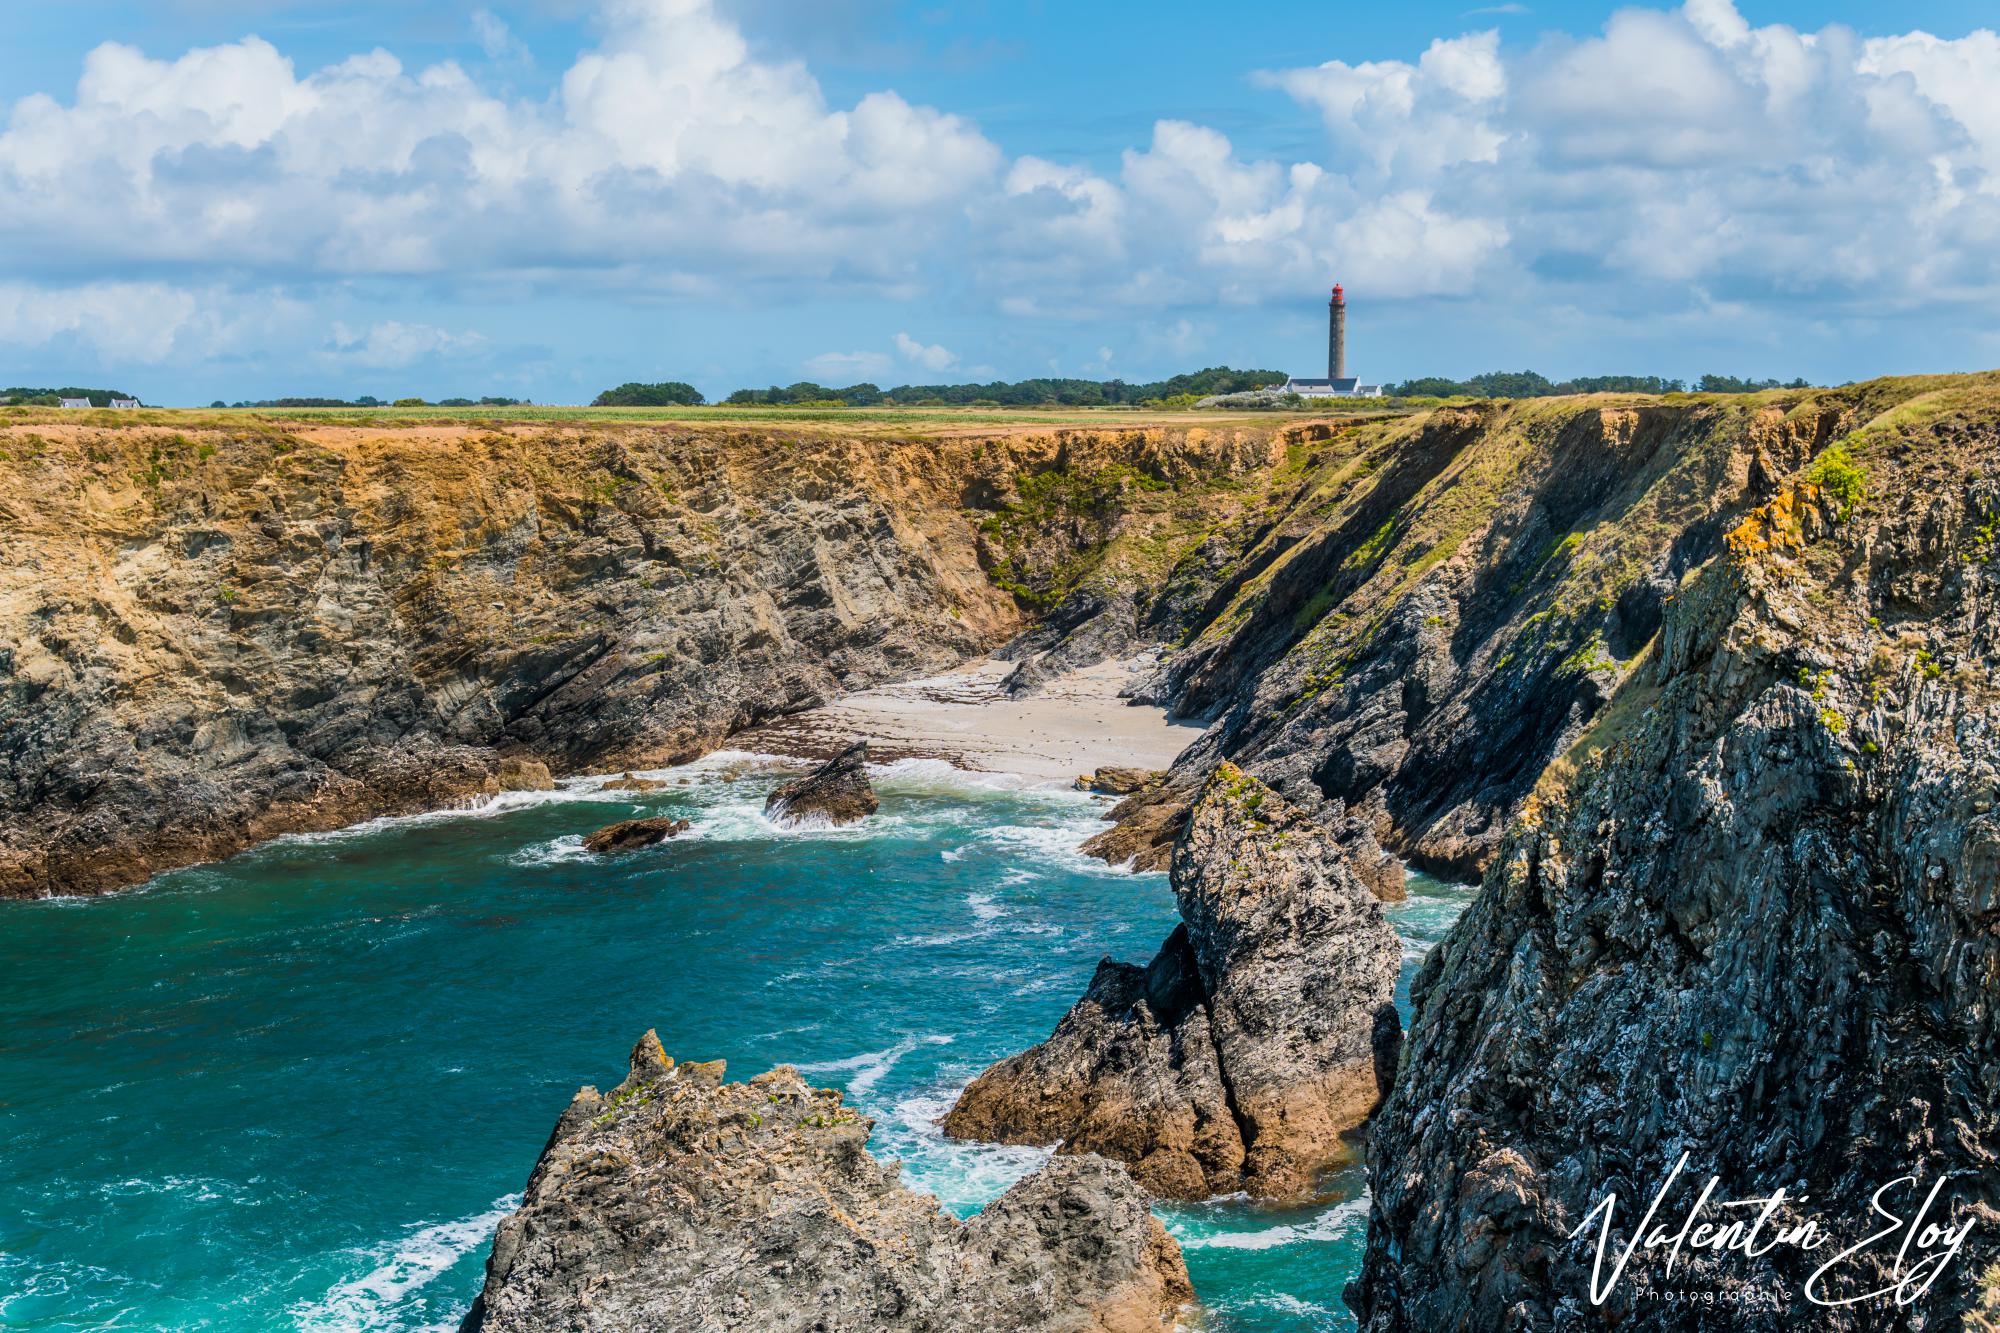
{"type": "Point", "coordinates": [837, 792]}
{"type": "Point", "coordinates": [680, 1202]}
{"type": "Point", "coordinates": [1244, 1055]}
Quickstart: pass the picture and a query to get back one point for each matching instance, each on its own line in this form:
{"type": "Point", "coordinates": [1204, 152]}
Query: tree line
{"type": "Point", "coordinates": [54, 397]}
{"type": "Point", "coordinates": [998, 393]}
{"type": "Point", "coordinates": [1529, 384]}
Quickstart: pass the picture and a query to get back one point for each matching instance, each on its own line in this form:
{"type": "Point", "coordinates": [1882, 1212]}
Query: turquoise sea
{"type": "Point", "coordinates": [298, 1089]}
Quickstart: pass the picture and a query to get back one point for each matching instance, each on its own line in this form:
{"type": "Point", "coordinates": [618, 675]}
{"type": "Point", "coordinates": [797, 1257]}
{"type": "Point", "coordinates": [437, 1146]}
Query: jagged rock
{"type": "Point", "coordinates": [628, 834]}
{"type": "Point", "coordinates": [1751, 920]}
{"type": "Point", "coordinates": [1245, 1054]}
{"type": "Point", "coordinates": [837, 792]}
{"type": "Point", "coordinates": [627, 782]}
{"type": "Point", "coordinates": [681, 1202]}
{"type": "Point", "coordinates": [1113, 780]}
{"type": "Point", "coordinates": [1144, 826]}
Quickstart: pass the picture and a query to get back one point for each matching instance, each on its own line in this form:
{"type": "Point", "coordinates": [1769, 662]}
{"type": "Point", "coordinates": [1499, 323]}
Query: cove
{"type": "Point", "coordinates": [299, 1088]}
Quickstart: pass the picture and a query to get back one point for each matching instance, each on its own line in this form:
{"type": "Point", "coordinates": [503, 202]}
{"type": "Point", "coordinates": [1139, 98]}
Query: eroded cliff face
{"type": "Point", "coordinates": [1432, 609]}
{"type": "Point", "coordinates": [1243, 1056]}
{"type": "Point", "coordinates": [211, 636]}
{"type": "Point", "coordinates": [1752, 916]}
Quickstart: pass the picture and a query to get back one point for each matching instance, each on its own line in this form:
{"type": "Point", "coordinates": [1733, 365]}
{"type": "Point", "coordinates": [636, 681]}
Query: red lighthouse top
{"type": "Point", "coordinates": [1339, 297]}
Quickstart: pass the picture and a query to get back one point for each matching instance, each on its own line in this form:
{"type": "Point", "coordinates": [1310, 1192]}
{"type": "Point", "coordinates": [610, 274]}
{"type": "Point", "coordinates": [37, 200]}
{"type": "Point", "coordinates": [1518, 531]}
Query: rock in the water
{"type": "Point", "coordinates": [837, 792]}
{"type": "Point", "coordinates": [626, 782]}
{"type": "Point", "coordinates": [1245, 1054]}
{"type": "Point", "coordinates": [679, 1202]}
{"type": "Point", "coordinates": [1114, 780]}
{"type": "Point", "coordinates": [628, 834]}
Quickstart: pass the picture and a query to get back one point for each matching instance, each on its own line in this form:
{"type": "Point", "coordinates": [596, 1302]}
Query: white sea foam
{"type": "Point", "coordinates": [555, 851]}
{"type": "Point", "coordinates": [870, 1066]}
{"type": "Point", "coordinates": [399, 1269]}
{"type": "Point", "coordinates": [1341, 1219]}
{"type": "Point", "coordinates": [964, 1176]}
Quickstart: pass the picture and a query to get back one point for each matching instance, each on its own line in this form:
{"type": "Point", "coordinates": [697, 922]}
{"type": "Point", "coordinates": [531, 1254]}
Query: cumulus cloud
{"type": "Point", "coordinates": [1673, 151]}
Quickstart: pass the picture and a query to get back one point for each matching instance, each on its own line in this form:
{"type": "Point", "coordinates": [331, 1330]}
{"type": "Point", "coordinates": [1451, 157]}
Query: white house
{"type": "Point", "coordinates": [1348, 387]}
{"type": "Point", "coordinates": [72, 402]}
{"type": "Point", "coordinates": [127, 403]}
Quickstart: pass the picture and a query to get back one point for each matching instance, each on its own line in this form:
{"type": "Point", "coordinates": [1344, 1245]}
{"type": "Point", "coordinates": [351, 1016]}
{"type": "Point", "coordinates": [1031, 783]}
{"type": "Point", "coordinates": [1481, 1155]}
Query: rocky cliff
{"type": "Point", "coordinates": [1753, 915]}
{"type": "Point", "coordinates": [1242, 1056]}
{"type": "Point", "coordinates": [214, 633]}
{"type": "Point", "coordinates": [679, 1202]}
{"type": "Point", "coordinates": [1432, 609]}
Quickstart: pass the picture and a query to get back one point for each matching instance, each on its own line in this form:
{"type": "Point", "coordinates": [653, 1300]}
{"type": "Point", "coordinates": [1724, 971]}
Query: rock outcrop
{"type": "Point", "coordinates": [837, 792]}
{"type": "Point", "coordinates": [1243, 1056]}
{"type": "Point", "coordinates": [680, 1202]}
{"type": "Point", "coordinates": [1114, 780]}
{"type": "Point", "coordinates": [629, 834]}
{"type": "Point", "coordinates": [217, 630]}
{"type": "Point", "coordinates": [1753, 917]}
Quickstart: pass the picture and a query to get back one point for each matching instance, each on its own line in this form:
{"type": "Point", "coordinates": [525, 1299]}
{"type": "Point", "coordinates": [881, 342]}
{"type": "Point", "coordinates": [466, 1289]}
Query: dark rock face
{"type": "Point", "coordinates": [837, 792]}
{"type": "Point", "coordinates": [628, 834]}
{"type": "Point", "coordinates": [679, 1202]}
{"type": "Point", "coordinates": [1753, 920]}
{"type": "Point", "coordinates": [1243, 1056]}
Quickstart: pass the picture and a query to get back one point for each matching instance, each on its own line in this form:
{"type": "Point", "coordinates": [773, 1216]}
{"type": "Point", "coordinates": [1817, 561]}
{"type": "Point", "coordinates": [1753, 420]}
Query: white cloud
{"type": "Point", "coordinates": [392, 344]}
{"type": "Point", "coordinates": [1676, 156]}
{"type": "Point", "coordinates": [930, 357]}
{"type": "Point", "coordinates": [497, 40]}
{"type": "Point", "coordinates": [144, 323]}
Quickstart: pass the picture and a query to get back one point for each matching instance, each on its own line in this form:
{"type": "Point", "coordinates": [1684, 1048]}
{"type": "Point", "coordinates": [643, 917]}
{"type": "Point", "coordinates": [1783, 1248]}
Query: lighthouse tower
{"type": "Point", "coordinates": [1337, 383]}
{"type": "Point", "coordinates": [1336, 335]}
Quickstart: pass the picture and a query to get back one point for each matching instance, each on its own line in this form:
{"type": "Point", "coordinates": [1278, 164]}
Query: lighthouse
{"type": "Point", "coordinates": [1336, 335]}
{"type": "Point", "coordinates": [1337, 384]}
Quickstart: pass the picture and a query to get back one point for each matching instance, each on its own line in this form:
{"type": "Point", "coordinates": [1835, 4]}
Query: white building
{"type": "Point", "coordinates": [1340, 388]}
{"type": "Point", "coordinates": [72, 402]}
{"type": "Point", "coordinates": [127, 403]}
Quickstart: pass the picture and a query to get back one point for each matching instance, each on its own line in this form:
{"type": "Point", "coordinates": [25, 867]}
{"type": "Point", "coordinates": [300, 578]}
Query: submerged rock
{"type": "Point", "coordinates": [1245, 1054]}
{"type": "Point", "coordinates": [837, 791]}
{"type": "Point", "coordinates": [627, 782]}
{"type": "Point", "coordinates": [680, 1202]}
{"type": "Point", "coordinates": [628, 834]}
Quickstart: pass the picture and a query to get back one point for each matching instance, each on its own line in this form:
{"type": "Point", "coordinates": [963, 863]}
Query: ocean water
{"type": "Point", "coordinates": [298, 1089]}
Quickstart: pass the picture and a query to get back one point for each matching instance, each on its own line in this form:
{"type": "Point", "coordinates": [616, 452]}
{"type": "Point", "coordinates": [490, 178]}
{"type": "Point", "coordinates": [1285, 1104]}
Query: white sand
{"type": "Point", "coordinates": [1076, 724]}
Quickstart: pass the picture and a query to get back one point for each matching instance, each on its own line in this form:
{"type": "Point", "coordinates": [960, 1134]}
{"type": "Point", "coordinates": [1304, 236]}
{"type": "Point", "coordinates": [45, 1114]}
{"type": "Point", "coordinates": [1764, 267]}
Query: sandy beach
{"type": "Point", "coordinates": [1075, 725]}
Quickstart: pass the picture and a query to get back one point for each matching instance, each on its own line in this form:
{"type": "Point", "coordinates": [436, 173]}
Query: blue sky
{"type": "Point", "coordinates": [234, 198]}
